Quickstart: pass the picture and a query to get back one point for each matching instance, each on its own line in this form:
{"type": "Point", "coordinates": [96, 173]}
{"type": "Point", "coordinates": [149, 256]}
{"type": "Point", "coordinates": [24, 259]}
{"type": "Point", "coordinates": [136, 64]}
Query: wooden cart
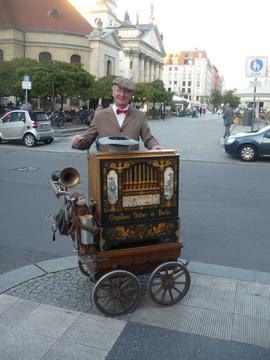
{"type": "Point", "coordinates": [135, 201]}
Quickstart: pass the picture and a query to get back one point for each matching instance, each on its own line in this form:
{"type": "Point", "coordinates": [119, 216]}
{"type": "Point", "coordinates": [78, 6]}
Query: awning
{"type": "Point", "coordinates": [180, 99]}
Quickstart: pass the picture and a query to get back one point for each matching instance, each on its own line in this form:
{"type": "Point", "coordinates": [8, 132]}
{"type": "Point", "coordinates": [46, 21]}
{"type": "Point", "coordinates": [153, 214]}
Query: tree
{"type": "Point", "coordinates": [157, 92]}
{"type": "Point", "coordinates": [216, 99]}
{"type": "Point", "coordinates": [104, 87]}
{"type": "Point", "coordinates": [230, 98]}
{"type": "Point", "coordinates": [141, 92]}
{"type": "Point", "coordinates": [50, 79]}
{"type": "Point", "coordinates": [11, 76]}
{"type": "Point", "coordinates": [62, 79]}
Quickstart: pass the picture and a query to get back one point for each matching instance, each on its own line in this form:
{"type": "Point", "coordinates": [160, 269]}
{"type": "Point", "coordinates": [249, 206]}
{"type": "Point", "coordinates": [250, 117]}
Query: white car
{"type": "Point", "coordinates": [27, 126]}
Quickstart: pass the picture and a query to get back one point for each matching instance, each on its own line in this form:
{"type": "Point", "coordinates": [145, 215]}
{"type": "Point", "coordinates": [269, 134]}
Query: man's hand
{"type": "Point", "coordinates": [76, 141]}
{"type": "Point", "coordinates": [156, 147]}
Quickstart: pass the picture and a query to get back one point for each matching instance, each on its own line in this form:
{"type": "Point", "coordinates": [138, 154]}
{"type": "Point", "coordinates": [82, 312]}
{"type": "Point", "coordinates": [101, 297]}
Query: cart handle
{"type": "Point", "coordinates": [56, 190]}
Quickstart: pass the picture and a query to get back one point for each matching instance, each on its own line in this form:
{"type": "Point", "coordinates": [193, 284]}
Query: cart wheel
{"type": "Point", "coordinates": [117, 293]}
{"type": "Point", "coordinates": [86, 269]}
{"type": "Point", "coordinates": [169, 283]}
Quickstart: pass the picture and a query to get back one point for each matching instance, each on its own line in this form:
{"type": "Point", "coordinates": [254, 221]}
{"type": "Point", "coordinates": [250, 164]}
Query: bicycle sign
{"type": "Point", "coordinates": [256, 66]}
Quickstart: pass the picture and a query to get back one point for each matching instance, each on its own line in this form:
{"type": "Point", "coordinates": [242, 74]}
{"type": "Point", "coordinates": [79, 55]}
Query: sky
{"type": "Point", "coordinates": [229, 31]}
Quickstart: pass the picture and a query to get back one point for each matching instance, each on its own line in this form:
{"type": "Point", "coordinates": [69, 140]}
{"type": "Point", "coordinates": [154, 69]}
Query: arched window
{"type": "Point", "coordinates": [75, 59]}
{"type": "Point", "coordinates": [45, 57]}
{"type": "Point", "coordinates": [1, 55]}
{"type": "Point", "coordinates": [109, 67]}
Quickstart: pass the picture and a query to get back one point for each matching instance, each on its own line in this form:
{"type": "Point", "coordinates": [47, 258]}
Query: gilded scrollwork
{"type": "Point", "coordinates": [138, 232]}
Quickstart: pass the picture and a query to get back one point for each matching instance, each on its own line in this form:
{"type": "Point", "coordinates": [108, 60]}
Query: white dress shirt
{"type": "Point", "coordinates": [120, 117]}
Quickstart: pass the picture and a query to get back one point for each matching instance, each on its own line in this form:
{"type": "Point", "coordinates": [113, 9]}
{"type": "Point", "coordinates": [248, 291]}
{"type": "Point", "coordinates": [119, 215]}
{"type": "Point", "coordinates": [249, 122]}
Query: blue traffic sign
{"type": "Point", "coordinates": [256, 65]}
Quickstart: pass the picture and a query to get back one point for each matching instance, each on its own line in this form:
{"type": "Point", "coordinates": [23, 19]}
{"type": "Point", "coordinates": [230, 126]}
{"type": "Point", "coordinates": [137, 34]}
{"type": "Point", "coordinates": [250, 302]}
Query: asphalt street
{"type": "Point", "coordinates": [223, 202]}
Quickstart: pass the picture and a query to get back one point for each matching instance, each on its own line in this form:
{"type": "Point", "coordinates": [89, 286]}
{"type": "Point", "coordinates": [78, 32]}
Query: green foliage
{"type": "Point", "coordinates": [141, 92]}
{"type": "Point", "coordinates": [104, 87]}
{"type": "Point", "coordinates": [65, 80]}
{"type": "Point", "coordinates": [184, 113]}
{"type": "Point", "coordinates": [153, 112]}
{"type": "Point", "coordinates": [157, 92]}
{"type": "Point", "coordinates": [230, 98]}
{"type": "Point", "coordinates": [152, 92]}
{"type": "Point", "coordinates": [52, 79]}
{"type": "Point", "coordinates": [216, 98]}
{"type": "Point", "coordinates": [11, 75]}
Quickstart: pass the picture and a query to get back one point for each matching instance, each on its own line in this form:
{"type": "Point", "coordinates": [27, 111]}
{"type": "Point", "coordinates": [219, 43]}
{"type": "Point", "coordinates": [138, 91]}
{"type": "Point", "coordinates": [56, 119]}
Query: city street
{"type": "Point", "coordinates": [224, 203]}
{"type": "Point", "coordinates": [46, 306]}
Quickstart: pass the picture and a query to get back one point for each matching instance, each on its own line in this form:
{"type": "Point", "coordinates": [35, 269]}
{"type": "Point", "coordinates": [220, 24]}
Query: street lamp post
{"type": "Point", "coordinates": [254, 106]}
{"type": "Point", "coordinates": [53, 90]}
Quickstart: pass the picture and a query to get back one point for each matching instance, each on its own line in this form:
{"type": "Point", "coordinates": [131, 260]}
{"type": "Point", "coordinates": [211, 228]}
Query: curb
{"type": "Point", "coordinates": [66, 132]}
{"type": "Point", "coordinates": [23, 274]}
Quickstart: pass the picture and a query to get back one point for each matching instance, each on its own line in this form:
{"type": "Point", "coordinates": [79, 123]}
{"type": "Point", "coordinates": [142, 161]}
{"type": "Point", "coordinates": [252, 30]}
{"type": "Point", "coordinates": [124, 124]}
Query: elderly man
{"type": "Point", "coordinates": [118, 120]}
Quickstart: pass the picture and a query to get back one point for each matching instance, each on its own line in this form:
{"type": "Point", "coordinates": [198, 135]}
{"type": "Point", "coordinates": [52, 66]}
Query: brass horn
{"type": "Point", "coordinates": [69, 177]}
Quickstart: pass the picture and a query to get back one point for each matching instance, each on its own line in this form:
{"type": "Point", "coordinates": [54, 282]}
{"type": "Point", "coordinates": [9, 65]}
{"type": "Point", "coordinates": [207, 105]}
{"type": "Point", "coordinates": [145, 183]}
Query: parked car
{"type": "Point", "coordinates": [249, 146]}
{"type": "Point", "coordinates": [27, 126]}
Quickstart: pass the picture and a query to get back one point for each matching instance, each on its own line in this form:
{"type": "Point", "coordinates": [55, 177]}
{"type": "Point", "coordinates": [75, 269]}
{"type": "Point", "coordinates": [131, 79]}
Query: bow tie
{"type": "Point", "coordinates": [120, 111]}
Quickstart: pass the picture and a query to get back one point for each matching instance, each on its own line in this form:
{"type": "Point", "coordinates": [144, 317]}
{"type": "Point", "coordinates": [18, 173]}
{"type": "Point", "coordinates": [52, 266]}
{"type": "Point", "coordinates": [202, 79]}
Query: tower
{"type": "Point", "coordinates": [104, 11]}
{"type": "Point", "coordinates": [151, 17]}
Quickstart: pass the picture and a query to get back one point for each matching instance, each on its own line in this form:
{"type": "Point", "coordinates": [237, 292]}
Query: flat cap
{"type": "Point", "coordinates": [124, 83]}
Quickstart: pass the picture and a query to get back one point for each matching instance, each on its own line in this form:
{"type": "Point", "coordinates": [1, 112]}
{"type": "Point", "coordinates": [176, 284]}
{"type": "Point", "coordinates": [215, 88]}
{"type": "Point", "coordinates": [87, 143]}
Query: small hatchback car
{"type": "Point", "coordinates": [249, 146]}
{"type": "Point", "coordinates": [28, 126]}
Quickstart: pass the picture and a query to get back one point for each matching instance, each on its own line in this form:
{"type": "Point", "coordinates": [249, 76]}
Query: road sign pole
{"type": "Point", "coordinates": [254, 107]}
{"type": "Point", "coordinates": [26, 96]}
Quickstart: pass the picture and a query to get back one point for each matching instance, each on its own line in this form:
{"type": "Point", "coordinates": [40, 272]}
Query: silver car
{"type": "Point", "coordinates": [29, 126]}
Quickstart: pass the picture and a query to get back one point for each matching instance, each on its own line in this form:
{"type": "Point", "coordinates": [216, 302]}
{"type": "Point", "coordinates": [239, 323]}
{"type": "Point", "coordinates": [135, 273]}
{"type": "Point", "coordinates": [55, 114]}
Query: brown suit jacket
{"type": "Point", "coordinates": [105, 124]}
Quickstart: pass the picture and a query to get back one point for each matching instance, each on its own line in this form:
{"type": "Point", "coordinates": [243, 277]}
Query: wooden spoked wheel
{"type": "Point", "coordinates": [86, 268]}
{"type": "Point", "coordinates": [117, 293]}
{"type": "Point", "coordinates": [169, 283]}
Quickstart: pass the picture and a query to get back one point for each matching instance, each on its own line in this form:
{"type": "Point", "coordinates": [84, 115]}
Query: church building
{"type": "Point", "coordinates": [93, 36]}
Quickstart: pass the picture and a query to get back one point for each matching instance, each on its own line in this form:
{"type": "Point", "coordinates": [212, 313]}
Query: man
{"type": "Point", "coordinates": [228, 116]}
{"type": "Point", "coordinates": [162, 111]}
{"type": "Point", "coordinates": [118, 120]}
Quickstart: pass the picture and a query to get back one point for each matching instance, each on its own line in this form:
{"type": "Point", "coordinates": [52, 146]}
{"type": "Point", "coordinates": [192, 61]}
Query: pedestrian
{"type": "Point", "coordinates": [194, 112]}
{"type": "Point", "coordinates": [118, 120]}
{"type": "Point", "coordinates": [162, 111]}
{"type": "Point", "coordinates": [200, 110]}
{"type": "Point", "coordinates": [227, 116]}
{"type": "Point", "coordinates": [27, 106]}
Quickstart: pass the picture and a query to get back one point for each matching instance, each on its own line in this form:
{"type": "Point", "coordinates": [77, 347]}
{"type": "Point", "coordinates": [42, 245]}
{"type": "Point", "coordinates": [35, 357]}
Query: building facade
{"type": "Point", "coordinates": [96, 38]}
{"type": "Point", "coordinates": [142, 53]}
{"type": "Point", "coordinates": [57, 31]}
{"type": "Point", "coordinates": [191, 75]}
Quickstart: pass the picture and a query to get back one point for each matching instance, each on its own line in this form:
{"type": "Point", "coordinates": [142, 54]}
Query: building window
{"type": "Point", "coordinates": [109, 67]}
{"type": "Point", "coordinates": [189, 83]}
{"type": "Point", "coordinates": [1, 55]}
{"type": "Point", "coordinates": [183, 83]}
{"type": "Point", "coordinates": [189, 90]}
{"type": "Point", "coordinates": [198, 84]}
{"type": "Point", "coordinates": [45, 57]}
{"type": "Point", "coordinates": [176, 68]}
{"type": "Point", "coordinates": [170, 82]}
{"type": "Point", "coordinates": [183, 90]}
{"type": "Point", "coordinates": [130, 65]}
{"type": "Point", "coordinates": [75, 59]}
{"type": "Point", "coordinates": [197, 98]}
{"type": "Point", "coordinates": [170, 68]}
{"type": "Point", "coordinates": [175, 82]}
{"type": "Point", "coordinates": [54, 14]}
{"type": "Point", "coordinates": [169, 89]}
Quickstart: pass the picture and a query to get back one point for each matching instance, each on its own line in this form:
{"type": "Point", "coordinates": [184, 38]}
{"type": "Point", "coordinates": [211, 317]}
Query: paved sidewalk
{"type": "Point", "coordinates": [47, 313]}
